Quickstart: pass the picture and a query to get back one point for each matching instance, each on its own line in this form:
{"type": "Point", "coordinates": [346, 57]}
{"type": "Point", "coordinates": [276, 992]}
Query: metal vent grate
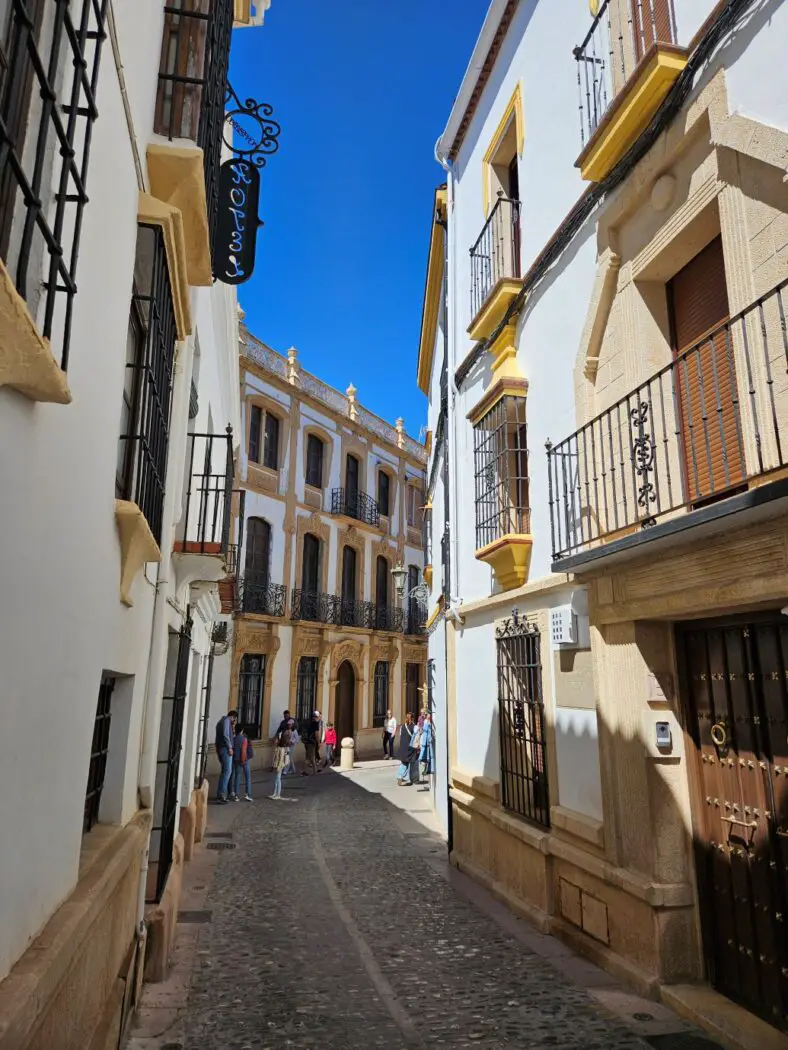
{"type": "Point", "coordinates": [195, 917]}
{"type": "Point", "coordinates": [220, 845]}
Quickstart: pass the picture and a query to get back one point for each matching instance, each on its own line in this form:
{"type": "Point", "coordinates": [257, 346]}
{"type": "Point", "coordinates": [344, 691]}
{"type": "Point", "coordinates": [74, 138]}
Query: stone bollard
{"type": "Point", "coordinates": [346, 759]}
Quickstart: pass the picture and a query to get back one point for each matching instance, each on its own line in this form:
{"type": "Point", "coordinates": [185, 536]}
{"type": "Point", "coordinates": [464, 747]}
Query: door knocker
{"type": "Point", "coordinates": [719, 736]}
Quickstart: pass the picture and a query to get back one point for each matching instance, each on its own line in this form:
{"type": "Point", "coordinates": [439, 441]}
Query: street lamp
{"type": "Point", "coordinates": [419, 593]}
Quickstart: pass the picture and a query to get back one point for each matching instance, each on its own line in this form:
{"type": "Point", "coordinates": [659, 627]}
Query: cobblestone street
{"type": "Point", "coordinates": [334, 921]}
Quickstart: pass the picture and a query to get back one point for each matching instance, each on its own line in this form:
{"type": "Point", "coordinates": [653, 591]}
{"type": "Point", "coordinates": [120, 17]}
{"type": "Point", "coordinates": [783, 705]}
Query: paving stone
{"type": "Point", "coordinates": [330, 929]}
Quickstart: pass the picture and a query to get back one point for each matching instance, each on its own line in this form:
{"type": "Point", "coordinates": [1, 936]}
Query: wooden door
{"type": "Point", "coordinates": [735, 687]}
{"type": "Point", "coordinates": [705, 377]}
{"type": "Point", "coordinates": [652, 22]}
{"type": "Point", "coordinates": [345, 701]}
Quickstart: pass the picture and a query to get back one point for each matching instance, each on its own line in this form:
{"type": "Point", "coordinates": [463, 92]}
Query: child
{"type": "Point", "coordinates": [281, 754]}
{"type": "Point", "coordinates": [330, 743]}
{"type": "Point", "coordinates": [243, 752]}
{"type": "Point", "coordinates": [291, 768]}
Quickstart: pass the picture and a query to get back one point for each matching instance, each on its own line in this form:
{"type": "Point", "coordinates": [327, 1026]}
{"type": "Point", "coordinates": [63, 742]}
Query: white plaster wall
{"type": "Point", "coordinates": [577, 756]}
{"type": "Point", "coordinates": [477, 699]}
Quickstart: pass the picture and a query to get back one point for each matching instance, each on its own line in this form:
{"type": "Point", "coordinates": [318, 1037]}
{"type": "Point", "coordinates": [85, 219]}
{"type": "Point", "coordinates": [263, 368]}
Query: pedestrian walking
{"type": "Point", "coordinates": [330, 743]}
{"type": "Point", "coordinates": [225, 731]}
{"type": "Point", "coordinates": [405, 750]}
{"type": "Point", "coordinates": [291, 769]}
{"type": "Point", "coordinates": [415, 751]}
{"type": "Point", "coordinates": [427, 744]}
{"type": "Point", "coordinates": [243, 753]}
{"type": "Point", "coordinates": [389, 732]}
{"type": "Point", "coordinates": [311, 743]}
{"type": "Point", "coordinates": [281, 754]}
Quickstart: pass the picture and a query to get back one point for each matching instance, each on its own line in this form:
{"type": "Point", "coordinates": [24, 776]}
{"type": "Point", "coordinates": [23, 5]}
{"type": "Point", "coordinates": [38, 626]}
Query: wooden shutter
{"type": "Point", "coordinates": [349, 574]}
{"type": "Point", "coordinates": [652, 22]}
{"type": "Point", "coordinates": [255, 427]}
{"type": "Point", "coordinates": [705, 376]}
{"type": "Point", "coordinates": [310, 568]}
{"type": "Point", "coordinates": [351, 476]}
{"type": "Point", "coordinates": [382, 582]}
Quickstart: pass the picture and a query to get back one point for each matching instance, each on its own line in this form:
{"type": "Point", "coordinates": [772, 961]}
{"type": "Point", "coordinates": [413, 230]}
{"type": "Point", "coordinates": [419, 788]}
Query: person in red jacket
{"type": "Point", "coordinates": [329, 743]}
{"type": "Point", "coordinates": [243, 752]}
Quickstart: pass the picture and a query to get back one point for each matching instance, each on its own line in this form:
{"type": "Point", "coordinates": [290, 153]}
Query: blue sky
{"type": "Point", "coordinates": [362, 89]}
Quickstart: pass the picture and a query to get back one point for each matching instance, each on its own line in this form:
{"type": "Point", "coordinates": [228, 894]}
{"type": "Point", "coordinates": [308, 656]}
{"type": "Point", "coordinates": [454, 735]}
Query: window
{"type": "Point", "coordinates": [352, 472]}
{"type": "Point", "coordinates": [381, 694]}
{"type": "Point", "coordinates": [190, 103]}
{"type": "Point", "coordinates": [49, 60]}
{"type": "Point", "coordinates": [144, 436]}
{"type": "Point", "coordinates": [271, 450]}
{"type": "Point", "coordinates": [251, 689]}
{"type": "Point", "coordinates": [413, 701]}
{"type": "Point", "coordinates": [310, 569]}
{"type": "Point", "coordinates": [257, 562]}
{"type": "Point", "coordinates": [306, 691]}
{"type": "Point", "coordinates": [384, 487]}
{"type": "Point", "coordinates": [255, 430]}
{"type": "Point", "coordinates": [98, 753]}
{"type": "Point", "coordinates": [314, 461]}
{"type": "Point", "coordinates": [413, 506]}
{"type": "Point", "coordinates": [348, 574]}
{"type": "Point", "coordinates": [382, 573]}
{"type": "Point", "coordinates": [501, 472]}
{"type": "Point", "coordinates": [521, 724]}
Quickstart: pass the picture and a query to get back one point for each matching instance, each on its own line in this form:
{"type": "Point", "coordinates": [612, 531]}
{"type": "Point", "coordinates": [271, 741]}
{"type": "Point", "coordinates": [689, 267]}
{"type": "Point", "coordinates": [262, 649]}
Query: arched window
{"type": "Point", "coordinates": [257, 563]}
{"type": "Point", "coordinates": [314, 461]}
{"type": "Point", "coordinates": [310, 569]}
{"type": "Point", "coordinates": [381, 694]}
{"type": "Point", "coordinates": [384, 493]}
{"type": "Point", "coordinates": [381, 582]}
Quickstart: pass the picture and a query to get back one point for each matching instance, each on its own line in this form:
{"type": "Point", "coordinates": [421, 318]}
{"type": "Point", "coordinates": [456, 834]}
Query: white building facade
{"type": "Point", "coordinates": [564, 281]}
{"type": "Point", "coordinates": [329, 505]}
{"type": "Point", "coordinates": [120, 416]}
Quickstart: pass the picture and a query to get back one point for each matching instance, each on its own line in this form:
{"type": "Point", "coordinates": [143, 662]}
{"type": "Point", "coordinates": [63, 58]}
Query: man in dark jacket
{"type": "Point", "coordinates": [405, 750]}
{"type": "Point", "coordinates": [225, 731]}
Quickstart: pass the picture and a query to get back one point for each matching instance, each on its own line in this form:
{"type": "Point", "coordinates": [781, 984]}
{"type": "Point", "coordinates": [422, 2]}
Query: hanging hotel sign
{"type": "Point", "coordinates": [252, 135]}
{"type": "Point", "coordinates": [236, 229]}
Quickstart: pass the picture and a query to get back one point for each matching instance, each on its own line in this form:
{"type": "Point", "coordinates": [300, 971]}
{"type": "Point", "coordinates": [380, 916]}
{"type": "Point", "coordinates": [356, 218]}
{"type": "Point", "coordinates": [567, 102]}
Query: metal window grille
{"type": "Point", "coordinates": [168, 768]}
{"type": "Point", "coordinates": [205, 525]}
{"type": "Point", "coordinates": [251, 688]}
{"type": "Point", "coordinates": [500, 455]}
{"type": "Point", "coordinates": [381, 694]}
{"type": "Point", "coordinates": [353, 503]}
{"type": "Point", "coordinates": [98, 753]}
{"type": "Point", "coordinates": [306, 691]}
{"type": "Point", "coordinates": [49, 67]}
{"type": "Point", "coordinates": [145, 440]}
{"type": "Point", "coordinates": [521, 721]}
{"type": "Point", "coordinates": [201, 758]}
{"type": "Point", "coordinates": [195, 57]}
{"type": "Point", "coordinates": [496, 253]}
{"type": "Point", "coordinates": [412, 684]}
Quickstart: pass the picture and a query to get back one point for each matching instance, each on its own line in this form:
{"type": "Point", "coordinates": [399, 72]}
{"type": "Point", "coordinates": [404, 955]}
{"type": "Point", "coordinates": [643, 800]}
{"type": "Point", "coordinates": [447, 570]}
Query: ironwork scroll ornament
{"type": "Point", "coordinates": [643, 455]}
{"type": "Point", "coordinates": [253, 125]}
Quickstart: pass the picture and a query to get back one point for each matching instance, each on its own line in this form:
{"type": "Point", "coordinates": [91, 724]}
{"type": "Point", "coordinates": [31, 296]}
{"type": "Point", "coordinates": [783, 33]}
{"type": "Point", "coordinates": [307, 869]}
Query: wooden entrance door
{"type": "Point", "coordinates": [705, 377]}
{"type": "Point", "coordinates": [345, 704]}
{"type": "Point", "coordinates": [735, 685]}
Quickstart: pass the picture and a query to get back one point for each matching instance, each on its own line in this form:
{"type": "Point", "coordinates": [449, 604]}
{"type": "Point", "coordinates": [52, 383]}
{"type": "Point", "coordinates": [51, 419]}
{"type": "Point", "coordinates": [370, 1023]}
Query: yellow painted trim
{"type": "Point", "coordinates": [137, 545]}
{"type": "Point", "coordinates": [26, 361]}
{"type": "Point", "coordinates": [432, 292]}
{"type": "Point", "coordinates": [435, 613]}
{"type": "Point", "coordinates": [632, 111]}
{"type": "Point", "coordinates": [242, 12]}
{"type": "Point", "coordinates": [428, 575]}
{"type": "Point", "coordinates": [494, 307]}
{"type": "Point", "coordinates": [509, 558]}
{"type": "Point", "coordinates": [514, 109]}
{"type": "Point", "coordinates": [152, 211]}
{"type": "Point", "coordinates": [509, 386]}
{"type": "Point", "coordinates": [176, 177]}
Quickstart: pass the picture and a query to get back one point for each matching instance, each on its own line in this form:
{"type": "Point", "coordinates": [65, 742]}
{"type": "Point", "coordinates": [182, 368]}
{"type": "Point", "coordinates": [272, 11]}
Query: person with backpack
{"type": "Point", "coordinates": [243, 753]}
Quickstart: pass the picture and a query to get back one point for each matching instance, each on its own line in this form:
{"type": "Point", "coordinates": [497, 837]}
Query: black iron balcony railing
{"type": "Point", "coordinates": [387, 618]}
{"type": "Point", "coordinates": [416, 620]}
{"type": "Point", "coordinates": [355, 504]}
{"type": "Point", "coordinates": [496, 253]}
{"type": "Point", "coordinates": [312, 606]}
{"type": "Point", "coordinates": [620, 35]}
{"type": "Point", "coordinates": [205, 525]}
{"type": "Point", "coordinates": [195, 57]}
{"type": "Point", "coordinates": [257, 595]}
{"type": "Point", "coordinates": [692, 434]}
{"type": "Point", "coordinates": [343, 612]}
{"type": "Point", "coordinates": [48, 80]}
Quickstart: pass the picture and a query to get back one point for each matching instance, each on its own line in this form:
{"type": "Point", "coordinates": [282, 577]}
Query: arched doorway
{"type": "Point", "coordinates": [345, 701]}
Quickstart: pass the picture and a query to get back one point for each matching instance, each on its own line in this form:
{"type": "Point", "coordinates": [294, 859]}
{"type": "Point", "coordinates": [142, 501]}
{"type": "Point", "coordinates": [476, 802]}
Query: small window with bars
{"type": "Point", "coordinates": [521, 721]}
{"type": "Point", "coordinates": [251, 690]}
{"type": "Point", "coordinates": [150, 359]}
{"type": "Point", "coordinates": [306, 691]}
{"type": "Point", "coordinates": [49, 63]}
{"type": "Point", "coordinates": [381, 694]}
{"type": "Point", "coordinates": [500, 451]}
{"type": "Point", "coordinates": [98, 753]}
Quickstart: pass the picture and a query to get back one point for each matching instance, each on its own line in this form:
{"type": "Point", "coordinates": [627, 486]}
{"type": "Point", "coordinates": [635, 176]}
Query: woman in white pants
{"type": "Point", "coordinates": [291, 769]}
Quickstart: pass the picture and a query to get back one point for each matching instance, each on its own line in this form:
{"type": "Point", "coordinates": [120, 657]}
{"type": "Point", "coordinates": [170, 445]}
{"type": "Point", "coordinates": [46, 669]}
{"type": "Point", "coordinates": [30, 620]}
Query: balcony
{"type": "Point", "coordinates": [260, 597]}
{"type": "Point", "coordinates": [357, 505]}
{"type": "Point", "coordinates": [416, 619]}
{"type": "Point", "coordinates": [203, 533]}
{"type": "Point", "coordinates": [387, 618]}
{"type": "Point", "coordinates": [495, 267]}
{"type": "Point", "coordinates": [626, 65]}
{"type": "Point", "coordinates": [335, 611]}
{"type": "Point", "coordinates": [190, 102]}
{"type": "Point", "coordinates": [701, 439]}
